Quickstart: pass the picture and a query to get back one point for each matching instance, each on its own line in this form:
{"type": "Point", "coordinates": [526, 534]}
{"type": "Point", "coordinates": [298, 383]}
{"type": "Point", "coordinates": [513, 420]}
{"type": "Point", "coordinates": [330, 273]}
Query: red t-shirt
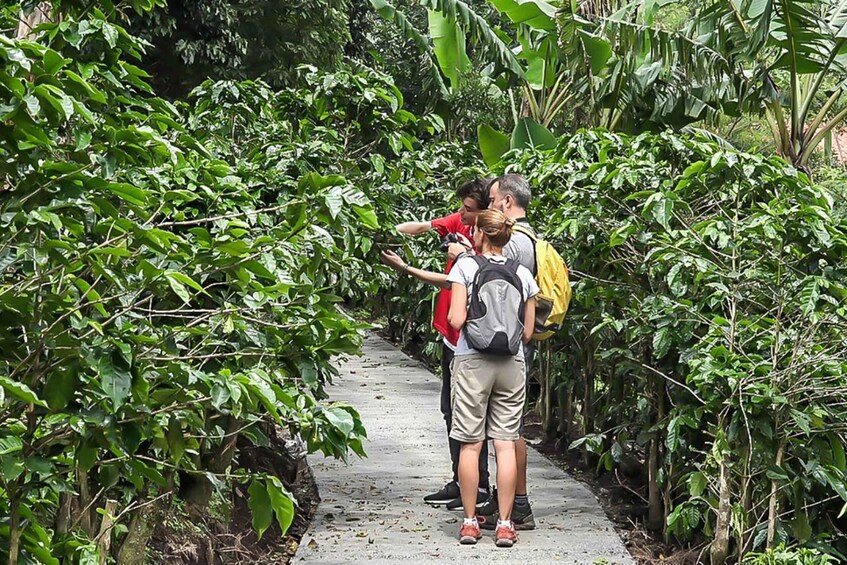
{"type": "Point", "coordinates": [447, 224]}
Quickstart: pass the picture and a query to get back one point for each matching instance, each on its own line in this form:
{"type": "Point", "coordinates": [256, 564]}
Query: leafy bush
{"type": "Point", "coordinates": [785, 556]}
{"type": "Point", "coordinates": [169, 277]}
{"type": "Point", "coordinates": [707, 338]}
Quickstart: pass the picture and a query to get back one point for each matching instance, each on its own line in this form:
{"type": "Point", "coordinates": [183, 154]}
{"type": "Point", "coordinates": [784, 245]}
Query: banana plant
{"type": "Point", "coordinates": [531, 58]}
{"type": "Point", "coordinates": [777, 58]}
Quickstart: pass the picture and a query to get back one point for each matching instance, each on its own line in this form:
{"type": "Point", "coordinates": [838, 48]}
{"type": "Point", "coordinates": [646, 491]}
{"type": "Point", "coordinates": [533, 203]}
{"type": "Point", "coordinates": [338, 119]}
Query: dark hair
{"type": "Point", "coordinates": [476, 189]}
{"type": "Point", "coordinates": [516, 186]}
{"type": "Point", "coordinates": [496, 227]}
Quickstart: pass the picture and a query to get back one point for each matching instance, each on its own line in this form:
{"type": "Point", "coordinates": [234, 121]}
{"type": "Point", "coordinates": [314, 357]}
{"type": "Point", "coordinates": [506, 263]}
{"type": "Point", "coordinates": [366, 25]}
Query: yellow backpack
{"type": "Point", "coordinates": [554, 285]}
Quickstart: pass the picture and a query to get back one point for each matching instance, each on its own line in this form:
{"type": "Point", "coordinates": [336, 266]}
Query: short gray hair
{"type": "Point", "coordinates": [517, 187]}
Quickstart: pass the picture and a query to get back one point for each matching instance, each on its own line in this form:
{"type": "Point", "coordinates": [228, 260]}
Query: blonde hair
{"type": "Point", "coordinates": [496, 227]}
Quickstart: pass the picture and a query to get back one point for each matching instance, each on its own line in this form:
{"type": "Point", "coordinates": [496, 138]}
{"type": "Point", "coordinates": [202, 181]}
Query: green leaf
{"type": "Point", "coordinates": [186, 280]}
{"type": "Point", "coordinates": [86, 456]}
{"type": "Point", "coordinates": [317, 181]}
{"type": "Point", "coordinates": [801, 528]}
{"type": "Point", "coordinates": [61, 385]}
{"type": "Point", "coordinates": [91, 295]}
{"type": "Point", "coordinates": [661, 342]}
{"type": "Point", "coordinates": [10, 445]}
{"type": "Point", "coordinates": [334, 202]}
{"type": "Point", "coordinates": [449, 45]}
{"type": "Point", "coordinates": [21, 391]}
{"type": "Point", "coordinates": [530, 134]}
{"type": "Point", "coordinates": [367, 215]}
{"type": "Point", "coordinates": [341, 419]}
{"type": "Point", "coordinates": [260, 505]}
{"type": "Point", "coordinates": [492, 143]}
{"type": "Point", "coordinates": [838, 455]}
{"type": "Point", "coordinates": [598, 49]}
{"type": "Point", "coordinates": [176, 441]}
{"type": "Point", "coordinates": [11, 467]}
{"type": "Point", "coordinates": [697, 484]}
{"type": "Point", "coordinates": [115, 380]}
{"type": "Point", "coordinates": [178, 288]}
{"type": "Point", "coordinates": [128, 193]}
{"type": "Point", "coordinates": [282, 503]}
{"type": "Point", "coordinates": [534, 13]}
{"type": "Point", "coordinates": [672, 438]}
{"type": "Point", "coordinates": [777, 473]}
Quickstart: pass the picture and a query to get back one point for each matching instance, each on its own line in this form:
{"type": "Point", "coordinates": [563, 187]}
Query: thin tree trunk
{"type": "Point", "coordinates": [63, 514]}
{"type": "Point", "coordinates": [141, 527]}
{"type": "Point", "coordinates": [549, 391]}
{"type": "Point", "coordinates": [14, 531]}
{"type": "Point", "coordinates": [84, 519]}
{"type": "Point", "coordinates": [42, 13]}
{"type": "Point", "coordinates": [588, 400]}
{"type": "Point", "coordinates": [773, 506]}
{"type": "Point", "coordinates": [655, 515]}
{"type": "Point", "coordinates": [104, 541]}
{"type": "Point", "coordinates": [565, 415]}
{"type": "Point", "coordinates": [720, 545]}
{"type": "Point", "coordinates": [744, 545]}
{"type": "Point", "coordinates": [198, 492]}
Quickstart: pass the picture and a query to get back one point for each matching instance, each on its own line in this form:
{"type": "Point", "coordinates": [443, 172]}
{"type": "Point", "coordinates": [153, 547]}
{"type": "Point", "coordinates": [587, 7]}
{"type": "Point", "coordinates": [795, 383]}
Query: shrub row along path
{"type": "Point", "coordinates": [372, 511]}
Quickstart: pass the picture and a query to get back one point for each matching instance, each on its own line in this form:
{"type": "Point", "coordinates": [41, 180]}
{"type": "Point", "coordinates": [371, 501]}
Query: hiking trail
{"type": "Point", "coordinates": [372, 511]}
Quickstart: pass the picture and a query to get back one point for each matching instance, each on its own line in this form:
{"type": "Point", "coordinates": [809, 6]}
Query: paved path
{"type": "Point", "coordinates": [371, 510]}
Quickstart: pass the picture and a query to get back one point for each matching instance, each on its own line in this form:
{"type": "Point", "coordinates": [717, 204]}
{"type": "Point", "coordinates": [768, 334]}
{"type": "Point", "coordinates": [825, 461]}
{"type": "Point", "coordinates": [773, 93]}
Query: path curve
{"type": "Point", "coordinates": [371, 510]}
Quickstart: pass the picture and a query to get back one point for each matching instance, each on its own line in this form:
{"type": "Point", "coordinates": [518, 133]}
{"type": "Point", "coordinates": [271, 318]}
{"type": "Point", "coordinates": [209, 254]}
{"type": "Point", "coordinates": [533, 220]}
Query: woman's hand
{"type": "Point", "coordinates": [392, 260]}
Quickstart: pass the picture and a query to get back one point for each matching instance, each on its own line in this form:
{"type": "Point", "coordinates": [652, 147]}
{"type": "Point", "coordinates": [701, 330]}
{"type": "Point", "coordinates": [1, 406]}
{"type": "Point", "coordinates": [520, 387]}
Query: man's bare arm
{"type": "Point", "coordinates": [413, 228]}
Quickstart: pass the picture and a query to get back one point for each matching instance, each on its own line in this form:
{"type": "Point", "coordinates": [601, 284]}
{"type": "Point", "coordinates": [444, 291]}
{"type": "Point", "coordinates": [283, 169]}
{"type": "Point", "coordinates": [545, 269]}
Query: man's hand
{"type": "Point", "coordinates": [454, 249]}
{"type": "Point", "coordinates": [392, 260]}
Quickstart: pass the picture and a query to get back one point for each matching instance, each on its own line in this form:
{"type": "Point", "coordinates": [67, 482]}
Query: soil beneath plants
{"type": "Point", "coordinates": [624, 499]}
{"type": "Point", "coordinates": [224, 535]}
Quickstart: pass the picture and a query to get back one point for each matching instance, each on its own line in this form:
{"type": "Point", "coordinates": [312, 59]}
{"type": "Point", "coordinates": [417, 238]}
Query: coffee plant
{"type": "Point", "coordinates": [169, 281]}
{"type": "Point", "coordinates": [706, 343]}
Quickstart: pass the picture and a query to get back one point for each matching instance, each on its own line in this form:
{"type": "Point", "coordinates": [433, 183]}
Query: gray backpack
{"type": "Point", "coordinates": [496, 308]}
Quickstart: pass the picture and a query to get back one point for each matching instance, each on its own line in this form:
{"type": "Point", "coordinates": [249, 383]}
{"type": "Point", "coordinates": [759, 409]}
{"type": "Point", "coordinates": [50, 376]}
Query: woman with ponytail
{"type": "Point", "coordinates": [493, 307]}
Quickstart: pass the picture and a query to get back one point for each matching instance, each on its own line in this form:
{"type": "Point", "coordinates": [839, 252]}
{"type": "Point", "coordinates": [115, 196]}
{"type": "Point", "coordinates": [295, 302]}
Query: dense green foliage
{"type": "Point", "coordinates": [168, 283]}
{"type": "Point", "coordinates": [238, 39]}
{"type": "Point", "coordinates": [170, 271]}
{"type": "Point", "coordinates": [708, 334]}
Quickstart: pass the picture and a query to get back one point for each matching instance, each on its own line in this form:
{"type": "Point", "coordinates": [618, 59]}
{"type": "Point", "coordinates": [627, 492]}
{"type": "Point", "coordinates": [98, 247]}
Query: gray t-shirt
{"type": "Point", "coordinates": [521, 248]}
{"type": "Point", "coordinates": [463, 272]}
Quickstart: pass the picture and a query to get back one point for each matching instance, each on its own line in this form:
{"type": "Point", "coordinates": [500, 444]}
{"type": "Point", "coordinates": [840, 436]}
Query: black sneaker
{"type": "Point", "coordinates": [447, 494]}
{"type": "Point", "coordinates": [489, 507]}
{"type": "Point", "coordinates": [456, 504]}
{"type": "Point", "coordinates": [522, 517]}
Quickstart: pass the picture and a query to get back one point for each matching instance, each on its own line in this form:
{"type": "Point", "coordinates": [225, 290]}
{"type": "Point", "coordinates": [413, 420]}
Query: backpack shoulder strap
{"type": "Point", "coordinates": [526, 231]}
{"type": "Point", "coordinates": [480, 260]}
{"type": "Point", "coordinates": [534, 239]}
{"type": "Point", "coordinates": [512, 265]}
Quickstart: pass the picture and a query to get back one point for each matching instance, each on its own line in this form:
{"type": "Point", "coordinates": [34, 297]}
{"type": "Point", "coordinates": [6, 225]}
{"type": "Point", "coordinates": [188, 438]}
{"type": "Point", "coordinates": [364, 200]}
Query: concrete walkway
{"type": "Point", "coordinates": [371, 510]}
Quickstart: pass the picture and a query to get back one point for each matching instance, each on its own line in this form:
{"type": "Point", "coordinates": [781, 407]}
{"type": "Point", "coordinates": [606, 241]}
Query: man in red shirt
{"type": "Point", "coordinates": [474, 197]}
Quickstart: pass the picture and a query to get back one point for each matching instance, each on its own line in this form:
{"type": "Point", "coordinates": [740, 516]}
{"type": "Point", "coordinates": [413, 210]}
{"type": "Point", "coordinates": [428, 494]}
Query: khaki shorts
{"type": "Point", "coordinates": [488, 394]}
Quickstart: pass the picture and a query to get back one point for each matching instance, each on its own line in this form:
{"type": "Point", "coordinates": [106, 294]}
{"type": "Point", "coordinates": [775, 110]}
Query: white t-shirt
{"type": "Point", "coordinates": [463, 272]}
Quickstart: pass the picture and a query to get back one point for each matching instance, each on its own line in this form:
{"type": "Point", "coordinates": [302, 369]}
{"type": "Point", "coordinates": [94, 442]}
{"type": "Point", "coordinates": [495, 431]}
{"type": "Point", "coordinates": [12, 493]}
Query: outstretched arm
{"type": "Point", "coordinates": [413, 228]}
{"type": "Point", "coordinates": [396, 262]}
